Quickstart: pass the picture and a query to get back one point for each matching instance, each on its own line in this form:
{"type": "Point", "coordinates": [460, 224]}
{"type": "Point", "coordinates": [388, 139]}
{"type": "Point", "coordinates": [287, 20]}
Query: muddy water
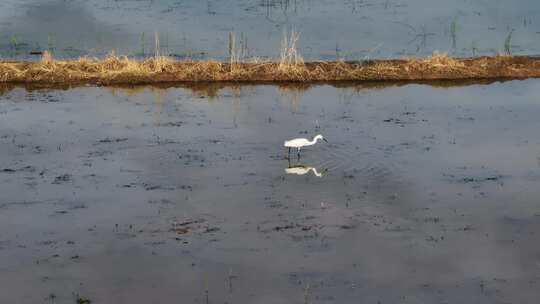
{"type": "Point", "coordinates": [147, 195]}
{"type": "Point", "coordinates": [330, 29]}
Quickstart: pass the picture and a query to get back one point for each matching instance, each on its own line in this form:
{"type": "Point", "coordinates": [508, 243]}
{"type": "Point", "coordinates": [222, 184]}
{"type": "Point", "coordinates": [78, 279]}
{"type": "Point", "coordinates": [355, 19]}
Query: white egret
{"type": "Point", "coordinates": [298, 143]}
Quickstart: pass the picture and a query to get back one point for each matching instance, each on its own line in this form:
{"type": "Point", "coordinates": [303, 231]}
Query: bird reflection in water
{"type": "Point", "coordinates": [299, 169]}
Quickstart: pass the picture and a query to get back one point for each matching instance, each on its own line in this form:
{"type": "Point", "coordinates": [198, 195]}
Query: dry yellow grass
{"type": "Point", "coordinates": [114, 69]}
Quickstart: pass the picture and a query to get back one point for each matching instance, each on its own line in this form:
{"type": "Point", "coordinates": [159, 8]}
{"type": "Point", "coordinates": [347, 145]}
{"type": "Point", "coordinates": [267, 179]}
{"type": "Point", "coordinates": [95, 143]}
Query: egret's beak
{"type": "Point", "coordinates": [325, 139]}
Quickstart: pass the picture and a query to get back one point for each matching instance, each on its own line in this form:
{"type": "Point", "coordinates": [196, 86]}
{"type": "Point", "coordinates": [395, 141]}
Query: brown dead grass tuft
{"type": "Point", "coordinates": [115, 69]}
{"type": "Point", "coordinates": [291, 62]}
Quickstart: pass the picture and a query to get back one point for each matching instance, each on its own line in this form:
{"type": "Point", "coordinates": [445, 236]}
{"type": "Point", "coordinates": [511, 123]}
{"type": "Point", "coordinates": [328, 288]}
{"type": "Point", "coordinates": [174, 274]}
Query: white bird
{"type": "Point", "coordinates": [301, 170]}
{"type": "Point", "coordinates": [298, 143]}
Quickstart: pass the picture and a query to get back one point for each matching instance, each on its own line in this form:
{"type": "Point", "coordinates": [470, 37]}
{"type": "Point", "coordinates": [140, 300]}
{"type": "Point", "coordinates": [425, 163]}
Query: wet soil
{"type": "Point", "coordinates": [160, 195]}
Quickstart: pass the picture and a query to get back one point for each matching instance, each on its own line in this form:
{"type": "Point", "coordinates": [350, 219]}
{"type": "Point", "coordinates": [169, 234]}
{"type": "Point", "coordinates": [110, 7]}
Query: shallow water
{"type": "Point", "coordinates": [160, 195]}
{"type": "Point", "coordinates": [329, 29]}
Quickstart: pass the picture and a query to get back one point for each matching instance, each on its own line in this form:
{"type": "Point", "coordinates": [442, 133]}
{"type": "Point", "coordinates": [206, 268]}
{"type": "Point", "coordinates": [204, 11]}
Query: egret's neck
{"type": "Point", "coordinates": [314, 141]}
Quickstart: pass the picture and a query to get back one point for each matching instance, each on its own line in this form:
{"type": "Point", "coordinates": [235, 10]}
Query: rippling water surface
{"type": "Point", "coordinates": [329, 29]}
{"type": "Point", "coordinates": [427, 194]}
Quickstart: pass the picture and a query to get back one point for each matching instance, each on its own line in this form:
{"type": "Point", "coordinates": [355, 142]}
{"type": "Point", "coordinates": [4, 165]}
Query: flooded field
{"type": "Point", "coordinates": [330, 29]}
{"type": "Point", "coordinates": [423, 194]}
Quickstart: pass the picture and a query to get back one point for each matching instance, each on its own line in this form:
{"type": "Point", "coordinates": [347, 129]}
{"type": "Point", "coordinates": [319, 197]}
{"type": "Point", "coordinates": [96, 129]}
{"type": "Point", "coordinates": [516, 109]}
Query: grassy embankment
{"type": "Point", "coordinates": [289, 68]}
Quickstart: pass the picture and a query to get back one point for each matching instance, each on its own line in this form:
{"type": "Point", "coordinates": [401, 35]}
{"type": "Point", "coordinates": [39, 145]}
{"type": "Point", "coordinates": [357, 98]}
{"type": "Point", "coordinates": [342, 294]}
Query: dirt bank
{"type": "Point", "coordinates": [123, 70]}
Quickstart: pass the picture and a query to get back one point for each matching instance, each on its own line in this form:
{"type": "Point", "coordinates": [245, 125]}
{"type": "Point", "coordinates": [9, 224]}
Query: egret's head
{"type": "Point", "coordinates": [319, 136]}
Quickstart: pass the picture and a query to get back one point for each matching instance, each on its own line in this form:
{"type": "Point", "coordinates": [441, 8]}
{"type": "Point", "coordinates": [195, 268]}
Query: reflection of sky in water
{"type": "Point", "coordinates": [351, 29]}
{"type": "Point", "coordinates": [383, 205]}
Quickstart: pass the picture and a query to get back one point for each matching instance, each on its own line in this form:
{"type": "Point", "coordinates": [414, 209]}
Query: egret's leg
{"type": "Point", "coordinates": [289, 155]}
{"type": "Point", "coordinates": [298, 153]}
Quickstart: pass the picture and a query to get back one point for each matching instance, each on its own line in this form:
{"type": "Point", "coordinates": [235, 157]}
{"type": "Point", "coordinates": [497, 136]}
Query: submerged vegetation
{"type": "Point", "coordinates": [114, 69]}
